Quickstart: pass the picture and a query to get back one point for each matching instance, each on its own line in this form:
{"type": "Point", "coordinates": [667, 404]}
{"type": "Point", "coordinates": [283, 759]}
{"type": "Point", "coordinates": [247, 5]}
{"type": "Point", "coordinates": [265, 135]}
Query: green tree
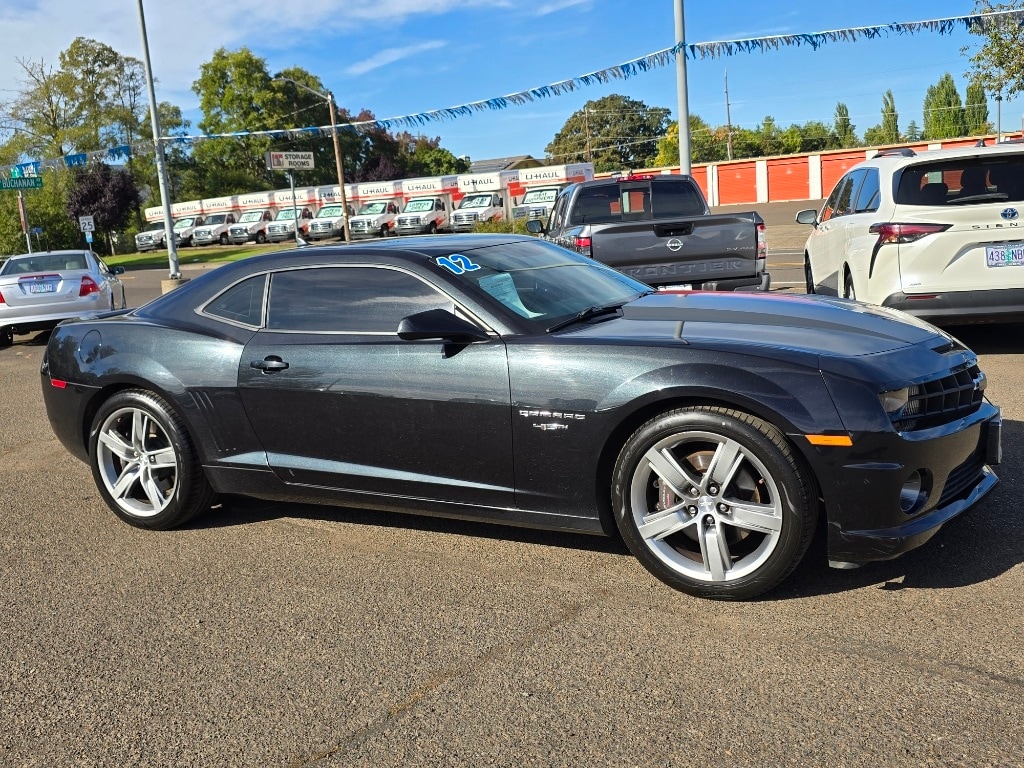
{"type": "Point", "coordinates": [47, 209]}
{"type": "Point", "coordinates": [707, 144]}
{"type": "Point", "coordinates": [998, 65]}
{"type": "Point", "coordinates": [913, 132]}
{"type": "Point", "coordinates": [976, 110]}
{"type": "Point", "coordinates": [614, 132]}
{"type": "Point", "coordinates": [108, 195]}
{"type": "Point", "coordinates": [944, 110]}
{"type": "Point", "coordinates": [846, 133]}
{"type": "Point", "coordinates": [890, 119]}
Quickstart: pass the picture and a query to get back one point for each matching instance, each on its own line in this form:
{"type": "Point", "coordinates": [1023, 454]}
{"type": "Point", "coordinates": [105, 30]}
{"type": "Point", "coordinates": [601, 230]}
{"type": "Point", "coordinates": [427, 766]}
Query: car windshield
{"type": "Point", "coordinates": [418, 206]}
{"type": "Point", "coordinates": [217, 218]}
{"type": "Point", "coordinates": [154, 226]}
{"type": "Point", "coordinates": [287, 214]}
{"type": "Point", "coordinates": [539, 281]}
{"type": "Point", "coordinates": [329, 212]}
{"type": "Point", "coordinates": [184, 223]}
{"type": "Point", "coordinates": [372, 208]}
{"type": "Point", "coordinates": [540, 196]}
{"type": "Point", "coordinates": [250, 216]}
{"type": "Point", "coordinates": [475, 201]}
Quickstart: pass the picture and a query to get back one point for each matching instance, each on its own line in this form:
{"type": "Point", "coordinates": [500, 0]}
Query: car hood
{"type": "Point", "coordinates": [823, 326]}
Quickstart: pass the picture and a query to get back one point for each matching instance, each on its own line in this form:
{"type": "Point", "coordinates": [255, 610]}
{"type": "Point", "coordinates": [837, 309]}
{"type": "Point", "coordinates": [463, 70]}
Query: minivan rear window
{"type": "Point", "coordinates": [963, 181]}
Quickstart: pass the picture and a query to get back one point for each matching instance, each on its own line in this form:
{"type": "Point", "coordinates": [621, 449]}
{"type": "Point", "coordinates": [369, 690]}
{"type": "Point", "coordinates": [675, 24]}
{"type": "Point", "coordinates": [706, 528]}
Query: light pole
{"type": "Point", "coordinates": [161, 165]}
{"type": "Point", "coordinates": [338, 156]}
{"type": "Point", "coordinates": [682, 105]}
{"type": "Point", "coordinates": [999, 118]}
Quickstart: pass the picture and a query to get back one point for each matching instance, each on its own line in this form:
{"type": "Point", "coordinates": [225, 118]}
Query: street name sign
{"type": "Point", "coordinates": [289, 161]}
{"type": "Point", "coordinates": [27, 182]}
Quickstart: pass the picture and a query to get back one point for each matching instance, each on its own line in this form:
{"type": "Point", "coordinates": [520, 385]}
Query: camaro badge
{"type": "Point", "coordinates": [1009, 214]}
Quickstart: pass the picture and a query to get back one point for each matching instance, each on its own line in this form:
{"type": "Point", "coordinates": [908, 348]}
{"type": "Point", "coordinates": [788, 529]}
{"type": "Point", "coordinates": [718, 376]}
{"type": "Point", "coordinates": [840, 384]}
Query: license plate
{"type": "Point", "coordinates": [1005, 255]}
{"type": "Point", "coordinates": [42, 287]}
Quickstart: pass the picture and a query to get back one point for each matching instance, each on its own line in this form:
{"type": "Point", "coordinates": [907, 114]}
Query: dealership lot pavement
{"type": "Point", "coordinates": [284, 635]}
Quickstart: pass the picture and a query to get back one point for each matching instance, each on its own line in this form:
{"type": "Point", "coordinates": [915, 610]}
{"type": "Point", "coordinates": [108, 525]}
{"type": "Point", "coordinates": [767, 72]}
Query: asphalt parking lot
{"type": "Point", "coordinates": [282, 635]}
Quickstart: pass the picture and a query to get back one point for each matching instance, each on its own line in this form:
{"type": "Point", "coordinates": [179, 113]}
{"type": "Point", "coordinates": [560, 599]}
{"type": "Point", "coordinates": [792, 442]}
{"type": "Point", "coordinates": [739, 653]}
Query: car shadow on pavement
{"type": "Point", "coordinates": [990, 338]}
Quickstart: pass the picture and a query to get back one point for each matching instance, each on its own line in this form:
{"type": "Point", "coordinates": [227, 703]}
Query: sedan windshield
{"type": "Point", "coordinates": [541, 282]}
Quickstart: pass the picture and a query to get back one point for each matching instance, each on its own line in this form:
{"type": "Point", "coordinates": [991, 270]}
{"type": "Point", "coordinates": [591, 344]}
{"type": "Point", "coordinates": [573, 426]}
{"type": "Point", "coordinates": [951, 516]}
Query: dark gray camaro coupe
{"type": "Point", "coordinates": [502, 378]}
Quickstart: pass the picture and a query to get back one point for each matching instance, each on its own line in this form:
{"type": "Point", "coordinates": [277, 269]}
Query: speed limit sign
{"type": "Point", "coordinates": [86, 224]}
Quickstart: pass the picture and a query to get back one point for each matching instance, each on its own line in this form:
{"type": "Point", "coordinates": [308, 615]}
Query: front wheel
{"type": "Point", "coordinates": [432, 229]}
{"type": "Point", "coordinates": [144, 462]}
{"type": "Point", "coordinates": [808, 276]}
{"type": "Point", "coordinates": [261, 238]}
{"type": "Point", "coordinates": [223, 239]}
{"type": "Point", "coordinates": [714, 502]}
{"type": "Point", "coordinates": [6, 336]}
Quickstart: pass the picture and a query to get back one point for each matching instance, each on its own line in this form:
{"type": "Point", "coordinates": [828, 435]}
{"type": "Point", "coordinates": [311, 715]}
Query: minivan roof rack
{"type": "Point", "coordinates": [895, 152]}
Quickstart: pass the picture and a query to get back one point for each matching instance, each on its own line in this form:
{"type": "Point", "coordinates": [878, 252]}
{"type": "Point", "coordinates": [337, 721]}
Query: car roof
{"type": "Point", "coordinates": [894, 161]}
{"type": "Point", "coordinates": [67, 251]}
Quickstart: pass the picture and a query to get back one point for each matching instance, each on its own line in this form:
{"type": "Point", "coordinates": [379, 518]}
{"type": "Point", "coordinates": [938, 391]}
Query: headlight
{"type": "Point", "coordinates": [895, 401]}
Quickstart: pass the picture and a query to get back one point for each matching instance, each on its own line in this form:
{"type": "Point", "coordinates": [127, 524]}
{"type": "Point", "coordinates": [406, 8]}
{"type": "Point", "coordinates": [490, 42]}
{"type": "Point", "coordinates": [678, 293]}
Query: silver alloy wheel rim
{"type": "Point", "coordinates": [137, 462]}
{"type": "Point", "coordinates": [706, 531]}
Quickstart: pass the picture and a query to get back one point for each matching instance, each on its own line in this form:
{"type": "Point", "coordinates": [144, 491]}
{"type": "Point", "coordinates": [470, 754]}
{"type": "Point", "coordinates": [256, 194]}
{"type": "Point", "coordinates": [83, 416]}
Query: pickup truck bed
{"type": "Point", "coordinates": [658, 229]}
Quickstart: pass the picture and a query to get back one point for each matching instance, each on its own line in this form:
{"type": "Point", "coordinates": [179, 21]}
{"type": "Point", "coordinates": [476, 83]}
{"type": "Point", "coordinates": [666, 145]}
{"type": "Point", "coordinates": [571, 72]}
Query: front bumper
{"type": "Point", "coordinates": [957, 307]}
{"type": "Point", "coordinates": [862, 493]}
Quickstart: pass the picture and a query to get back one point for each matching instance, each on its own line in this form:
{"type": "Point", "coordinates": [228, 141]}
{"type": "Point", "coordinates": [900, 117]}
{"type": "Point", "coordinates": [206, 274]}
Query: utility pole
{"type": "Point", "coordinates": [681, 98]}
{"type": "Point", "coordinates": [728, 119]}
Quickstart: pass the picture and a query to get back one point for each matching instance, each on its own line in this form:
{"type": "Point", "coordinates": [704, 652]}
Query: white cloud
{"type": "Point", "coordinates": [391, 55]}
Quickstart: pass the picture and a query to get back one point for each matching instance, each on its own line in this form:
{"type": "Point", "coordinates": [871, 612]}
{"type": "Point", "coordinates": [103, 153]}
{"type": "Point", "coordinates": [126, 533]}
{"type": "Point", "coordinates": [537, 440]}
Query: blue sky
{"type": "Point", "coordinates": [400, 57]}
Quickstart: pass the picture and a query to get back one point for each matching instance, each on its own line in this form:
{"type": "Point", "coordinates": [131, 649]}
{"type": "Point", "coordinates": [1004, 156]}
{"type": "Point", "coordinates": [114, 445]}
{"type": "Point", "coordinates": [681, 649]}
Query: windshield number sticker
{"type": "Point", "coordinates": [457, 264]}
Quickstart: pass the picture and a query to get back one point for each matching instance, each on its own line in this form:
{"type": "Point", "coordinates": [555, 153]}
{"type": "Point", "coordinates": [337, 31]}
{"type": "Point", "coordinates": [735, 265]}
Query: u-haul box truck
{"type": "Point", "coordinates": [428, 206]}
{"type": "Point", "coordinates": [153, 236]}
{"type": "Point", "coordinates": [219, 213]}
{"type": "Point", "coordinates": [303, 205]}
{"type": "Point", "coordinates": [379, 203]}
{"type": "Point", "coordinates": [537, 188]}
{"type": "Point", "coordinates": [484, 197]}
{"type": "Point", "coordinates": [257, 211]}
{"type": "Point", "coordinates": [330, 216]}
{"type": "Point", "coordinates": [187, 216]}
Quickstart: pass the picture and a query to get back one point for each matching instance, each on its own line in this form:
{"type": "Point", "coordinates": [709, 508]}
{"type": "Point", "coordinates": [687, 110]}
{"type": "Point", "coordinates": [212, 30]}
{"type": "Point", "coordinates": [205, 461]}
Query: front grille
{"type": "Point", "coordinates": [962, 479]}
{"type": "Point", "coordinates": [359, 226]}
{"type": "Point", "coordinates": [239, 231]}
{"type": "Point", "coordinates": [942, 400]}
{"type": "Point", "coordinates": [321, 226]}
{"type": "Point", "coordinates": [279, 229]}
{"type": "Point", "coordinates": [408, 221]}
{"type": "Point", "coordinates": [465, 218]}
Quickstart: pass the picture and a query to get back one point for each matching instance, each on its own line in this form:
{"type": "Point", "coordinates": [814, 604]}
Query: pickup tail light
{"type": "Point", "coordinates": [762, 248]}
{"type": "Point", "coordinates": [904, 233]}
{"type": "Point", "coordinates": [583, 245]}
{"type": "Point", "coordinates": [88, 286]}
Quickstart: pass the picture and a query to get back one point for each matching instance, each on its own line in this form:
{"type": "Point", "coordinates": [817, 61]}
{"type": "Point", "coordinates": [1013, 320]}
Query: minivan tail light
{"type": "Point", "coordinates": [904, 233]}
{"type": "Point", "coordinates": [88, 286]}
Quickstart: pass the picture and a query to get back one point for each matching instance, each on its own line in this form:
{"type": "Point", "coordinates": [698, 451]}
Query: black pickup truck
{"type": "Point", "coordinates": [659, 230]}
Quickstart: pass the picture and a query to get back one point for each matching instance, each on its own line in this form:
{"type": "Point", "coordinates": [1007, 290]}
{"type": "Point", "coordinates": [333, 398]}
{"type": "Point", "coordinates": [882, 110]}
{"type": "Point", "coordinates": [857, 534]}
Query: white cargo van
{"type": "Point", "coordinates": [485, 197]}
{"type": "Point", "coordinates": [428, 207]}
{"type": "Point", "coordinates": [379, 203]}
{"type": "Point", "coordinates": [153, 236]}
{"type": "Point", "coordinates": [540, 186]}
{"type": "Point", "coordinates": [257, 212]}
{"type": "Point", "coordinates": [219, 213]}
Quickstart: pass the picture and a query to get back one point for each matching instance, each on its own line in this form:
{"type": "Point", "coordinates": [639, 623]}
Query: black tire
{"type": "Point", "coordinates": [384, 231]}
{"type": "Point", "coordinates": [189, 241]}
{"type": "Point", "coordinates": [808, 276]}
{"type": "Point", "coordinates": [707, 480]}
{"type": "Point", "coordinates": [6, 336]}
{"type": "Point", "coordinates": [223, 239]}
{"type": "Point", "coordinates": [432, 228]}
{"type": "Point", "coordinates": [261, 238]}
{"type": "Point", "coordinates": [144, 463]}
{"type": "Point", "coordinates": [849, 292]}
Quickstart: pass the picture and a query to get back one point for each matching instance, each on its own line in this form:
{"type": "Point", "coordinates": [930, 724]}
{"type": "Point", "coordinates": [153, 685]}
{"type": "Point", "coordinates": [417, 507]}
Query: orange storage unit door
{"type": "Point", "coordinates": [788, 179]}
{"type": "Point", "coordinates": [699, 174]}
{"type": "Point", "coordinates": [834, 166]}
{"type": "Point", "coordinates": [737, 183]}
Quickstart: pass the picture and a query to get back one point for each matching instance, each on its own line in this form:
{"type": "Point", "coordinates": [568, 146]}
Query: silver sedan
{"type": "Point", "coordinates": [38, 290]}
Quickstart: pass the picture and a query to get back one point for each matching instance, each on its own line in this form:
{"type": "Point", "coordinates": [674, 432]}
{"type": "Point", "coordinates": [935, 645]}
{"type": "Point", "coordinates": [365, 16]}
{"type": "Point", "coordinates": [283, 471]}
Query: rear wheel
{"type": "Point", "coordinates": [144, 462]}
{"type": "Point", "coordinates": [714, 502]}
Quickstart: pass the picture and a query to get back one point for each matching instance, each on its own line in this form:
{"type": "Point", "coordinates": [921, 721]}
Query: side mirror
{"type": "Point", "coordinates": [118, 270]}
{"type": "Point", "coordinates": [809, 216]}
{"type": "Point", "coordinates": [536, 227]}
{"type": "Point", "coordinates": [439, 324]}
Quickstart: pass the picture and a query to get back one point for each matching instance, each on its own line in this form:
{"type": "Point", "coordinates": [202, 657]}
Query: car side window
{"type": "Point", "coordinates": [348, 299]}
{"type": "Point", "coordinates": [848, 192]}
{"type": "Point", "coordinates": [867, 197]}
{"type": "Point", "coordinates": [558, 213]}
{"type": "Point", "coordinates": [828, 210]}
{"type": "Point", "coordinates": [242, 303]}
